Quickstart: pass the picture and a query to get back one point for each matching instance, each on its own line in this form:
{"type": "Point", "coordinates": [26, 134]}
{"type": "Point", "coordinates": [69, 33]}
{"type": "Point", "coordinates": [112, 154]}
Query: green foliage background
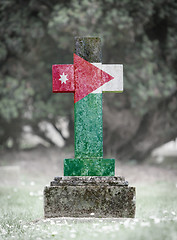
{"type": "Point", "coordinates": [36, 34]}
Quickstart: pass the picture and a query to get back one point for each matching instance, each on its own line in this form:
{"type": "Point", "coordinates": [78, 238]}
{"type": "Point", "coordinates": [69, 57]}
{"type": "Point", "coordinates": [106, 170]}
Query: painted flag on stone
{"type": "Point", "coordinates": [63, 78]}
{"type": "Point", "coordinates": [88, 77]}
{"type": "Point", "coordinates": [83, 78]}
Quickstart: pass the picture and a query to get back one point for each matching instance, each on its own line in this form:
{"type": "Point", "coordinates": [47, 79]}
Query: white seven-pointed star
{"type": "Point", "coordinates": [63, 78]}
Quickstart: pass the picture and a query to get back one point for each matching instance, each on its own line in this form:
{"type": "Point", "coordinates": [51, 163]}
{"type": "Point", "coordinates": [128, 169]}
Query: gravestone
{"type": "Point", "coordinates": [88, 187]}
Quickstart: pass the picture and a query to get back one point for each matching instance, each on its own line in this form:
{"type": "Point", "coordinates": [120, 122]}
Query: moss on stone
{"type": "Point", "coordinates": [88, 48]}
{"type": "Point", "coordinates": [81, 201]}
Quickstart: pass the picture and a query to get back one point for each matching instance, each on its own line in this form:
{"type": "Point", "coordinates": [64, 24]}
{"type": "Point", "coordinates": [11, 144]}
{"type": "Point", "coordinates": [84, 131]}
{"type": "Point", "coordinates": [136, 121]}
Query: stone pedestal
{"type": "Point", "coordinates": [89, 197]}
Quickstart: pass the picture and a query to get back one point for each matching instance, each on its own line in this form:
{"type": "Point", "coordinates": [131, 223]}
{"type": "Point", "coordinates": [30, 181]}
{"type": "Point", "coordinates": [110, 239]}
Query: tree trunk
{"type": "Point", "coordinates": [156, 127]}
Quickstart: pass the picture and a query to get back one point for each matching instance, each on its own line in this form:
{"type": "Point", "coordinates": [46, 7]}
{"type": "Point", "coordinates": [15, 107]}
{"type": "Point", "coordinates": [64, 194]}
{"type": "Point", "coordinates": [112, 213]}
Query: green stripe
{"type": "Point", "coordinates": [88, 127]}
{"type": "Point", "coordinates": [89, 167]}
{"type": "Point", "coordinates": [88, 159]}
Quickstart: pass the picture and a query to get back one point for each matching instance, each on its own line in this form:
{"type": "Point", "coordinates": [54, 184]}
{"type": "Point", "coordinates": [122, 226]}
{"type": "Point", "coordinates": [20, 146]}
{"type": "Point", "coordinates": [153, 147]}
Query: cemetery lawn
{"type": "Point", "coordinates": [21, 203]}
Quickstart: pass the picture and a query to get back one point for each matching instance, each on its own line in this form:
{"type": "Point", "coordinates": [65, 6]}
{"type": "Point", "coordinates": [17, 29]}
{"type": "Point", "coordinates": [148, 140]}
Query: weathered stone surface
{"type": "Point", "coordinates": [87, 180]}
{"type": "Point", "coordinates": [87, 79]}
{"type": "Point", "coordinates": [88, 48]}
{"type": "Point", "coordinates": [89, 197]}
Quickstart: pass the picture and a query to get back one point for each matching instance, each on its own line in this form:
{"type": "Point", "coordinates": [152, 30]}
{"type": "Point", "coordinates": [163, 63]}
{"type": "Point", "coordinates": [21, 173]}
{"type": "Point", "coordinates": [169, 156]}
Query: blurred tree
{"type": "Point", "coordinates": [141, 35]}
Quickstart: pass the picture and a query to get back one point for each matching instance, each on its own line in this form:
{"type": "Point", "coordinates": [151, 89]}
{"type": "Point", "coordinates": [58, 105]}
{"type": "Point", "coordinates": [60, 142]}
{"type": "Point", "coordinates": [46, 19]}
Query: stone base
{"type": "Point", "coordinates": [106, 197]}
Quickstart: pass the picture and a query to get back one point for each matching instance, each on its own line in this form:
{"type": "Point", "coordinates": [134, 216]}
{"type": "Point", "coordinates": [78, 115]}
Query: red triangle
{"type": "Point", "coordinates": [87, 78]}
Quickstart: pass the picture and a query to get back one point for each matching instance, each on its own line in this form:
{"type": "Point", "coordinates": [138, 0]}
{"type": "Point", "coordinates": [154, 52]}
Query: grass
{"type": "Point", "coordinates": [21, 202]}
{"type": "Point", "coordinates": [21, 216]}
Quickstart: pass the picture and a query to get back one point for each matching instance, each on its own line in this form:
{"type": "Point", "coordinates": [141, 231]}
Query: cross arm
{"type": "Point", "coordinates": [63, 78]}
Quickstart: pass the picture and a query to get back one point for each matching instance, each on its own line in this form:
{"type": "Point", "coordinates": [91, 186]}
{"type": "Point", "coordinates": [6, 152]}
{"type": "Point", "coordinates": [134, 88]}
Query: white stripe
{"type": "Point", "coordinates": [116, 84]}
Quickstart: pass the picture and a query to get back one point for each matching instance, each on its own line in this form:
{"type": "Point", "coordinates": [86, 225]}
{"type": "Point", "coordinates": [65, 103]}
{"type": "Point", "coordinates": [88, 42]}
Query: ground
{"type": "Point", "coordinates": [24, 174]}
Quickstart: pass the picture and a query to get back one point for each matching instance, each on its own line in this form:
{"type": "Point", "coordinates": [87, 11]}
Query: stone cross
{"type": "Point", "coordinates": [87, 78]}
{"type": "Point", "coordinates": [88, 187]}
